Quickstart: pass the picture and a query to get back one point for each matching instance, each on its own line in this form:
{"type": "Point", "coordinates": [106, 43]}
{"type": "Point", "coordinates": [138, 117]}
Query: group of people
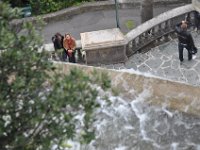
{"type": "Point", "coordinates": [68, 44]}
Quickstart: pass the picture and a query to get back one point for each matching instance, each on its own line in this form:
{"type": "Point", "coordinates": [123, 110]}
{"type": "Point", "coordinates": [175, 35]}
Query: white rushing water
{"type": "Point", "coordinates": [136, 125]}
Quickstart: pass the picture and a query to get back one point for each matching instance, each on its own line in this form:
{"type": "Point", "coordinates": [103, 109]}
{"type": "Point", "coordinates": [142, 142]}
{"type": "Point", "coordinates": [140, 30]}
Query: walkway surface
{"type": "Point", "coordinates": [98, 20]}
{"type": "Point", "coordinates": [163, 62]}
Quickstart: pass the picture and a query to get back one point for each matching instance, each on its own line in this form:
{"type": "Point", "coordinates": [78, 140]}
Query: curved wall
{"type": "Point", "coordinates": [92, 6]}
{"type": "Point", "coordinates": [175, 95]}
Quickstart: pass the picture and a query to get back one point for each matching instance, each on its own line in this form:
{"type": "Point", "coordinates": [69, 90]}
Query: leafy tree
{"type": "Point", "coordinates": [40, 107]}
{"type": "Point", "coordinates": [47, 6]}
{"type": "Point", "coordinates": [17, 3]}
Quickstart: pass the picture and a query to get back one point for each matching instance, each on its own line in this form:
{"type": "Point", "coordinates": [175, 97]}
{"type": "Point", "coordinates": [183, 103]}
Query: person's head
{"type": "Point", "coordinates": [184, 25]}
{"type": "Point", "coordinates": [58, 36]}
{"type": "Point", "coordinates": [67, 36]}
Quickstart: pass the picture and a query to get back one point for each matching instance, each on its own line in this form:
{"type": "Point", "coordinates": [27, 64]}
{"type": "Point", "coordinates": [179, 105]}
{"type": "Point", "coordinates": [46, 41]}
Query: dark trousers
{"type": "Point", "coordinates": [64, 55]}
{"type": "Point", "coordinates": [197, 20]}
{"type": "Point", "coordinates": [72, 58]}
{"type": "Point", "coordinates": [181, 47]}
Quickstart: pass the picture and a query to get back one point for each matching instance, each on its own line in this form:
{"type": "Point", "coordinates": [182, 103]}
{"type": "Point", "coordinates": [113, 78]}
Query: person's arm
{"type": "Point", "coordinates": [54, 42]}
{"type": "Point", "coordinates": [65, 46]}
{"type": "Point", "coordinates": [178, 28]}
{"type": "Point", "coordinates": [74, 44]}
{"type": "Point", "coordinates": [191, 41]}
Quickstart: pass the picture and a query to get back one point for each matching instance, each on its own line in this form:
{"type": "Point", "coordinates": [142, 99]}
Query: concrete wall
{"type": "Point", "coordinates": [156, 91]}
{"type": "Point", "coordinates": [93, 6]}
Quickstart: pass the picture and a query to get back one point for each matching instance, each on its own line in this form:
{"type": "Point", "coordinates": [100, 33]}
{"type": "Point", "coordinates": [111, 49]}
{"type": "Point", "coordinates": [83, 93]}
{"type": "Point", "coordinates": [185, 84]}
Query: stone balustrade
{"type": "Point", "coordinates": [156, 30]}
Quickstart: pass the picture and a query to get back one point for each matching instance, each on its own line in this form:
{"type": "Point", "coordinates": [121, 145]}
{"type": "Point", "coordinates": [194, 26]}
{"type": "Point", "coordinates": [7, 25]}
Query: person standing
{"type": "Point", "coordinates": [57, 40]}
{"type": "Point", "coordinates": [69, 45]}
{"type": "Point", "coordinates": [185, 40]}
{"type": "Point", "coordinates": [197, 20]}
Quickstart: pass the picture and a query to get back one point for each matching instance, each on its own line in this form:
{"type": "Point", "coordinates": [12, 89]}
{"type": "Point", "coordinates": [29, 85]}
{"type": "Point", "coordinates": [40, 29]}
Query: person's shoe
{"type": "Point", "coordinates": [194, 56]}
{"type": "Point", "coordinates": [181, 62]}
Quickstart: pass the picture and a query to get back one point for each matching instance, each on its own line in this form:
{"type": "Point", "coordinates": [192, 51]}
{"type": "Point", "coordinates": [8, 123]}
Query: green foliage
{"type": "Point", "coordinates": [47, 6]}
{"type": "Point", "coordinates": [102, 79]}
{"type": "Point", "coordinates": [17, 3]}
{"type": "Point", "coordinates": [37, 109]}
{"type": "Point", "coordinates": [130, 24]}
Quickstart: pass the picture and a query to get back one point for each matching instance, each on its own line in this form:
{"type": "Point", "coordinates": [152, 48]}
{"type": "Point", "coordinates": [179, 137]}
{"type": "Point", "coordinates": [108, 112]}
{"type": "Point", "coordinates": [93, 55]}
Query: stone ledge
{"type": "Point", "coordinates": [161, 92]}
{"type": "Point", "coordinates": [92, 6]}
{"type": "Point", "coordinates": [102, 39]}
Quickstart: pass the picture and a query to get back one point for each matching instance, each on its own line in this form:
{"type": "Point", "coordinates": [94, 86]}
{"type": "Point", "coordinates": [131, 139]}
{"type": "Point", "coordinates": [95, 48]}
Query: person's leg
{"type": "Point", "coordinates": [180, 49]}
{"type": "Point", "coordinates": [70, 59]}
{"type": "Point", "coordinates": [189, 49]}
{"type": "Point", "coordinates": [189, 55]}
{"type": "Point", "coordinates": [198, 24]}
{"type": "Point", "coordinates": [195, 20]}
{"type": "Point", "coordinates": [73, 59]}
{"type": "Point", "coordinates": [64, 54]}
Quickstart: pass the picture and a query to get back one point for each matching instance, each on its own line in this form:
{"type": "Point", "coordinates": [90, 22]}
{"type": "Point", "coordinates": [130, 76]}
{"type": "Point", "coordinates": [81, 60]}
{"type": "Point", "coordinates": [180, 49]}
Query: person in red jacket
{"type": "Point", "coordinates": [69, 45]}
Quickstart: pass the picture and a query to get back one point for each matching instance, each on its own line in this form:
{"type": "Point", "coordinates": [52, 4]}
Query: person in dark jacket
{"type": "Point", "coordinates": [185, 41]}
{"type": "Point", "coordinates": [197, 20]}
{"type": "Point", "coordinates": [57, 40]}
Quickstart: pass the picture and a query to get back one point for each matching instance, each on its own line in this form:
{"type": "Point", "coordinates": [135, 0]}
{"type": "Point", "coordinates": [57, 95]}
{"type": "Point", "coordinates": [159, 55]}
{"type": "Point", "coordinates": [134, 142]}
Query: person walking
{"type": "Point", "coordinates": [197, 20]}
{"type": "Point", "coordinates": [185, 40]}
{"type": "Point", "coordinates": [69, 45]}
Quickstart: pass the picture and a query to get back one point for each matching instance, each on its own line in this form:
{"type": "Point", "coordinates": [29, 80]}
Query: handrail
{"type": "Point", "coordinates": [159, 26]}
{"type": "Point", "coordinates": [157, 20]}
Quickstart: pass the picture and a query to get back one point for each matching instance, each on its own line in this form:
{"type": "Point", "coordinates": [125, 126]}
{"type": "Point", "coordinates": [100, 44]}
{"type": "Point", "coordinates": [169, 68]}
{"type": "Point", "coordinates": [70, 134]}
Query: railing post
{"type": "Point", "coordinates": [133, 44]}
{"type": "Point", "coordinates": [139, 39]}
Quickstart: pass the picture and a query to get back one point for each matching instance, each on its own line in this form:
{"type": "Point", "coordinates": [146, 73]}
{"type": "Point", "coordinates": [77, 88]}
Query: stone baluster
{"type": "Point", "coordinates": [167, 26]}
{"type": "Point", "coordinates": [159, 32]}
{"type": "Point", "coordinates": [140, 41]}
{"type": "Point", "coordinates": [134, 44]}
{"type": "Point", "coordinates": [129, 49]}
{"type": "Point", "coordinates": [190, 19]}
{"type": "Point", "coordinates": [171, 28]}
{"type": "Point", "coordinates": [153, 31]}
{"type": "Point", "coordinates": [166, 30]}
{"type": "Point", "coordinates": [170, 24]}
{"type": "Point", "coordinates": [160, 29]}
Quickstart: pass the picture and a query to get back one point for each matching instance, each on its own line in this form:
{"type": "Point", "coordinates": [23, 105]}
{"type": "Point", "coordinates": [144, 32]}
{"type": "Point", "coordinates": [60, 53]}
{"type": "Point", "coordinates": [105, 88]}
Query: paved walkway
{"type": "Point", "coordinates": [97, 20]}
{"type": "Point", "coordinates": [163, 61]}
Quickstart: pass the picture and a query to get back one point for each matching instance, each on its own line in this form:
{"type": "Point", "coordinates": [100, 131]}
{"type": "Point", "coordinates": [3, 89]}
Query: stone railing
{"type": "Point", "coordinates": [153, 32]}
{"type": "Point", "coordinates": [156, 30]}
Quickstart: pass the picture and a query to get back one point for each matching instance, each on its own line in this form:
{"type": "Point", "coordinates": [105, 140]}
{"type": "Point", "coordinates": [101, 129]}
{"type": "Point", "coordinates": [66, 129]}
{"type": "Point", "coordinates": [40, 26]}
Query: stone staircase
{"type": "Point", "coordinates": [163, 61]}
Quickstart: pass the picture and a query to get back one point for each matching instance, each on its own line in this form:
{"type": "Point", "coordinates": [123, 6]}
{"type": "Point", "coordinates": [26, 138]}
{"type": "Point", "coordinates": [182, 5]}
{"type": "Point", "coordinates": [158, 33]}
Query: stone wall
{"type": "Point", "coordinates": [174, 95]}
{"type": "Point", "coordinates": [93, 6]}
